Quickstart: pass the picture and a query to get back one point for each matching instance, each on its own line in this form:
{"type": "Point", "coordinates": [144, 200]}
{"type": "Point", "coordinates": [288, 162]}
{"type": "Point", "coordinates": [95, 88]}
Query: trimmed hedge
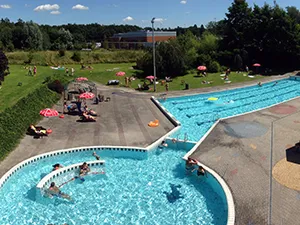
{"type": "Point", "coordinates": [15, 120]}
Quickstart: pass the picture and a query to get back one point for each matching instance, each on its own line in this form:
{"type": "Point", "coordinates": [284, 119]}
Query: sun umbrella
{"type": "Point", "coordinates": [87, 95]}
{"type": "Point", "coordinates": [201, 68]}
{"type": "Point", "coordinates": [82, 79]}
{"type": "Point", "coordinates": [120, 74]}
{"type": "Point", "coordinates": [150, 77]}
{"type": "Point", "coordinates": [256, 65]}
{"type": "Point", "coordinates": [48, 112]}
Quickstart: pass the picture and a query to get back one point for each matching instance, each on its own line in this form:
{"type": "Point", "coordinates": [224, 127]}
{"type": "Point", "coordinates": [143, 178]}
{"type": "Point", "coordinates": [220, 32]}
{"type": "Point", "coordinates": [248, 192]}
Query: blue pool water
{"type": "Point", "coordinates": [197, 114]}
{"type": "Point", "coordinates": [133, 191]}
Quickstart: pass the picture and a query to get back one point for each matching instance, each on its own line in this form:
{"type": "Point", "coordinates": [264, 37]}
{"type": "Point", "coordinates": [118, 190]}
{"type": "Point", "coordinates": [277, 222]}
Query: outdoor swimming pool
{"type": "Point", "coordinates": [132, 191]}
{"type": "Point", "coordinates": [197, 114]}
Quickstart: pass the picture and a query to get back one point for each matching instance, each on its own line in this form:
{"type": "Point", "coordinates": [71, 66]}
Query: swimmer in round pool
{"type": "Point", "coordinates": [55, 191]}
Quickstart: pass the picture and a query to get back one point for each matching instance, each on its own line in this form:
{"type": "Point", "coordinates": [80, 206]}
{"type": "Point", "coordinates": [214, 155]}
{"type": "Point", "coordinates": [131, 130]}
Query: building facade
{"type": "Point", "coordinates": [140, 37]}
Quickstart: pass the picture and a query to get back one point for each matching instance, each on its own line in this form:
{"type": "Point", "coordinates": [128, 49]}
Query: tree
{"type": "Point", "coordinates": [3, 66]}
{"type": "Point", "coordinates": [33, 36]}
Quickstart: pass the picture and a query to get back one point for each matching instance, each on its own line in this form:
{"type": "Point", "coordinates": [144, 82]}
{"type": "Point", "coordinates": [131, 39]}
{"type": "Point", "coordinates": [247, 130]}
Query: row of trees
{"type": "Point", "coordinates": [31, 36]}
{"type": "Point", "coordinates": [269, 35]}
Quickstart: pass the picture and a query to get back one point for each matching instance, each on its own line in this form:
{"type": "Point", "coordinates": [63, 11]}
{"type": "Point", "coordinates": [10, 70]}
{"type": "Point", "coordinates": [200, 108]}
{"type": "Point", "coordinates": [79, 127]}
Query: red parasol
{"type": "Point", "coordinates": [201, 68]}
{"type": "Point", "coordinates": [48, 112]}
{"type": "Point", "coordinates": [82, 79]}
{"type": "Point", "coordinates": [120, 74]}
{"type": "Point", "coordinates": [87, 95]}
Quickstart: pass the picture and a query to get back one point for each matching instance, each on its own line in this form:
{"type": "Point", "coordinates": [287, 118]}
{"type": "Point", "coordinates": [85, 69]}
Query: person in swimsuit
{"type": "Point", "coordinates": [84, 169]}
{"type": "Point", "coordinates": [56, 166]}
{"type": "Point", "coordinates": [55, 191]}
{"type": "Point", "coordinates": [96, 156]}
{"type": "Point", "coordinates": [200, 171]}
{"type": "Point", "coordinates": [190, 164]}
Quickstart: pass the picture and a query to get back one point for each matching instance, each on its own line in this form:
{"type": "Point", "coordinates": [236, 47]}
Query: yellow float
{"type": "Point", "coordinates": [212, 99]}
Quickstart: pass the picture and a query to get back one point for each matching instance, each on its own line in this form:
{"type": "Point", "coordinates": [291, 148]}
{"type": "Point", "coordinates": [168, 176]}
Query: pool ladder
{"type": "Point", "coordinates": [185, 138]}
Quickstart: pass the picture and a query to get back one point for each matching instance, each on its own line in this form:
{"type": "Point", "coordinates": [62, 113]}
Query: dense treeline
{"type": "Point", "coordinates": [31, 36]}
{"type": "Point", "coordinates": [268, 35]}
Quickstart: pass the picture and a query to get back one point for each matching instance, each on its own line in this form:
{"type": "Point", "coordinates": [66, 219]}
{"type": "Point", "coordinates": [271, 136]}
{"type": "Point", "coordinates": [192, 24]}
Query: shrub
{"type": "Point", "coordinates": [29, 58]}
{"type": "Point", "coordinates": [56, 86]}
{"type": "Point", "coordinates": [16, 119]}
{"type": "Point", "coordinates": [214, 67]}
{"type": "Point", "coordinates": [76, 57]}
{"type": "Point", "coordinates": [62, 52]}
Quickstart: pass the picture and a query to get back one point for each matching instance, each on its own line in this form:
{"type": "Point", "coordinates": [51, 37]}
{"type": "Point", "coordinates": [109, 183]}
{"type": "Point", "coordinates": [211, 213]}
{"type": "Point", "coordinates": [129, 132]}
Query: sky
{"type": "Point", "coordinates": [169, 13]}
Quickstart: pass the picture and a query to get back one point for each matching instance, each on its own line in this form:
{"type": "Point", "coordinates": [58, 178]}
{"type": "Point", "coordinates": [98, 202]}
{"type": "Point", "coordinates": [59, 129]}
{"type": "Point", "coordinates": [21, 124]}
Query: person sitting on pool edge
{"type": "Point", "coordinates": [190, 164]}
{"type": "Point", "coordinates": [55, 191]}
{"type": "Point", "coordinates": [200, 171]}
{"type": "Point", "coordinates": [259, 84]}
{"type": "Point", "coordinates": [56, 166]}
{"type": "Point", "coordinates": [163, 144]}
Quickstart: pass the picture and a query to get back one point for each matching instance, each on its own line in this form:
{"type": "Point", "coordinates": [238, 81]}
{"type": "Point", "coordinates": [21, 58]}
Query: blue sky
{"type": "Point", "coordinates": [171, 13]}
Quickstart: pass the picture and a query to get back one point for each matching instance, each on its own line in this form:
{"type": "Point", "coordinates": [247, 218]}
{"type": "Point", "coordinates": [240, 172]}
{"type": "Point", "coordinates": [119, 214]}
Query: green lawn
{"type": "Point", "coordinates": [10, 92]}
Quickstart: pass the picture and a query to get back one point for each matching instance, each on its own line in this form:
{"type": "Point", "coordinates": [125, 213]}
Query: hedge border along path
{"type": "Point", "coordinates": [15, 120]}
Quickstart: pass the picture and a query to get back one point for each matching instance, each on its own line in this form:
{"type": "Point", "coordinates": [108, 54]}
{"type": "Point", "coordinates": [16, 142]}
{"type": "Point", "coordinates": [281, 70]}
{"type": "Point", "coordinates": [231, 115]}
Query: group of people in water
{"type": "Point", "coordinates": [84, 169]}
{"type": "Point", "coordinates": [191, 166]}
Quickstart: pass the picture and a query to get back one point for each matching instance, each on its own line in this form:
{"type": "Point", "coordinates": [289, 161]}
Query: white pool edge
{"type": "Point", "coordinates": [30, 160]}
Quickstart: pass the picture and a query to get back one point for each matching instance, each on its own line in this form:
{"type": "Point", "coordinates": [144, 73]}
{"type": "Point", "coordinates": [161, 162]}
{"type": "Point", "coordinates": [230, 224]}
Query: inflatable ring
{"type": "Point", "coordinates": [154, 123]}
{"type": "Point", "coordinates": [49, 131]}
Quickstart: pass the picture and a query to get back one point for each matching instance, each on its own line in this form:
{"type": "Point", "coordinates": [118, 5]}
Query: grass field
{"type": "Point", "coordinates": [10, 92]}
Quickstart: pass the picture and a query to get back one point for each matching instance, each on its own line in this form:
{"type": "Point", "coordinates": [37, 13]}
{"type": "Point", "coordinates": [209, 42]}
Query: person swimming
{"type": "Point", "coordinates": [200, 171]}
{"type": "Point", "coordinates": [96, 156]}
{"type": "Point", "coordinates": [55, 191]}
{"type": "Point", "coordinates": [190, 164]}
{"type": "Point", "coordinates": [56, 166]}
{"type": "Point", "coordinates": [84, 169]}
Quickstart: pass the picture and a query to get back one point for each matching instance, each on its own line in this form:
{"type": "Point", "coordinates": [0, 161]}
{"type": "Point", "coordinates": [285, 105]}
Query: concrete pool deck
{"type": "Point", "coordinates": [123, 121]}
{"type": "Point", "coordinates": [243, 161]}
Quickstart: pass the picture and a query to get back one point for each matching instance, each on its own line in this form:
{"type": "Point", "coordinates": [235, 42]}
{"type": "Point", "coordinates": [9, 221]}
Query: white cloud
{"type": "Point", "coordinates": [55, 12]}
{"type": "Point", "coordinates": [183, 1]}
{"type": "Point", "coordinates": [46, 7]}
{"type": "Point", "coordinates": [5, 6]}
{"type": "Point", "coordinates": [80, 7]}
{"type": "Point", "coordinates": [127, 19]}
{"type": "Point", "coordinates": [159, 20]}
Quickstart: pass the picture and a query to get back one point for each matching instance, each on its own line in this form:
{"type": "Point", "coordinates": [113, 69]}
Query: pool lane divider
{"type": "Point", "coordinates": [68, 172]}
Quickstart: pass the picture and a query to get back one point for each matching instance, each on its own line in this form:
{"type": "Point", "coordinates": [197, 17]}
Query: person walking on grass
{"type": "Point", "coordinates": [34, 70]}
{"type": "Point", "coordinates": [29, 71]}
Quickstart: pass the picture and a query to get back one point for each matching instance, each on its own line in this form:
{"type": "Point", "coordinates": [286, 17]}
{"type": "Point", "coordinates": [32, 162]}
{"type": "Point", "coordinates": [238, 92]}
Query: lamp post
{"type": "Point", "coordinates": [153, 44]}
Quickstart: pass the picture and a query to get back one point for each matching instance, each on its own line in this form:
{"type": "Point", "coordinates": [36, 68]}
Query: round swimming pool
{"type": "Point", "coordinates": [153, 189]}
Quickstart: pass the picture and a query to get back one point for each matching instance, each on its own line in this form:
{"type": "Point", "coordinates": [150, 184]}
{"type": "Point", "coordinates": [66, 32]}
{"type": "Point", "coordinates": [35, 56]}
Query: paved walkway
{"type": "Point", "coordinates": [121, 122]}
{"type": "Point", "coordinates": [243, 160]}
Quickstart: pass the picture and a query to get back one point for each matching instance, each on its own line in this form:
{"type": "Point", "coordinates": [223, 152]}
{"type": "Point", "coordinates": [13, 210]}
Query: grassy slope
{"type": "Point", "coordinates": [52, 58]}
